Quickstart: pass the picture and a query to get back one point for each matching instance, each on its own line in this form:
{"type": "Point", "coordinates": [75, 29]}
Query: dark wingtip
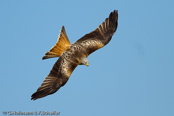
{"type": "Point", "coordinates": [42, 93]}
{"type": "Point", "coordinates": [113, 19]}
{"type": "Point", "coordinates": [33, 96]}
{"type": "Point", "coordinates": [37, 95]}
{"type": "Point", "coordinates": [114, 15]}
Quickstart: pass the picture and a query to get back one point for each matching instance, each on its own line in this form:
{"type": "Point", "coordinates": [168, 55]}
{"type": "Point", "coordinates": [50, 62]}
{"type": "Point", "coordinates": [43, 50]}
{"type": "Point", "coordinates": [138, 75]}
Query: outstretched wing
{"type": "Point", "coordinates": [57, 78]}
{"type": "Point", "coordinates": [100, 36]}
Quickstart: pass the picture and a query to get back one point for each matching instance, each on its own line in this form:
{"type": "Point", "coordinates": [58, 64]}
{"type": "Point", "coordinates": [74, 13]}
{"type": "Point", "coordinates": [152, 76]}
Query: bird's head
{"type": "Point", "coordinates": [84, 61]}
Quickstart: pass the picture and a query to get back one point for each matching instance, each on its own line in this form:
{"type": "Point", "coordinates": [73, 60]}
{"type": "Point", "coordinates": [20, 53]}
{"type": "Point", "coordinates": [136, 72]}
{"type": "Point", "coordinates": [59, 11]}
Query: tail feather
{"type": "Point", "coordinates": [61, 45]}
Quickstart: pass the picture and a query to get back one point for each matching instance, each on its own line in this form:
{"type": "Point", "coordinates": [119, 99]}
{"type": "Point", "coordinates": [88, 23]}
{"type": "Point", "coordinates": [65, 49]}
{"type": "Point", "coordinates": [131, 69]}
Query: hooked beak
{"type": "Point", "coordinates": [87, 65]}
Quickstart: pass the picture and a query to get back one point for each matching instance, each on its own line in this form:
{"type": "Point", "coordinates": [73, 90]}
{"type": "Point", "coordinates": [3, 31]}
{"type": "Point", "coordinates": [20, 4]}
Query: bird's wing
{"type": "Point", "coordinates": [101, 35]}
{"type": "Point", "coordinates": [57, 78]}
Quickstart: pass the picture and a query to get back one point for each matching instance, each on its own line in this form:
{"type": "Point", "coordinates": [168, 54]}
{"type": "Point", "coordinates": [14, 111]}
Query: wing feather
{"type": "Point", "coordinates": [57, 78]}
{"type": "Point", "coordinates": [101, 35]}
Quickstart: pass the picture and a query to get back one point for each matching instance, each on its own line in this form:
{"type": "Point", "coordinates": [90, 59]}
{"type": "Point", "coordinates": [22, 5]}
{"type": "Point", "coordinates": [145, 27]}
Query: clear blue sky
{"type": "Point", "coordinates": [132, 76]}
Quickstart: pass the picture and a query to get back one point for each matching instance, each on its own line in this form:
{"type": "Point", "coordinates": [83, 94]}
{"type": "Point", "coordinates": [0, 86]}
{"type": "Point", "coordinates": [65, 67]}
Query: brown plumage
{"type": "Point", "coordinates": [72, 55]}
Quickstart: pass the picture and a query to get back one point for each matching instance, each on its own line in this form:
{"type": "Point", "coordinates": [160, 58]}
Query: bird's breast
{"type": "Point", "coordinates": [75, 53]}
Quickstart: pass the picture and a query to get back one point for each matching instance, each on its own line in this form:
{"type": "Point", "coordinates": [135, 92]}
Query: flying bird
{"type": "Point", "coordinates": [72, 55]}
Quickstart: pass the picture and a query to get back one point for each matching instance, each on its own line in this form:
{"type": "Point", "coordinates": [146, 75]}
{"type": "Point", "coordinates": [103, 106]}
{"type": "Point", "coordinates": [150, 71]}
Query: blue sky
{"type": "Point", "coordinates": [132, 76]}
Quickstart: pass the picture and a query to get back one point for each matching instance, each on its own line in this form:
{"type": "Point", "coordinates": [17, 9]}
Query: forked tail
{"type": "Point", "coordinates": [61, 45]}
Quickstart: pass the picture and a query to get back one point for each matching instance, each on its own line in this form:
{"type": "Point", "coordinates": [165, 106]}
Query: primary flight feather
{"type": "Point", "coordinates": [72, 55]}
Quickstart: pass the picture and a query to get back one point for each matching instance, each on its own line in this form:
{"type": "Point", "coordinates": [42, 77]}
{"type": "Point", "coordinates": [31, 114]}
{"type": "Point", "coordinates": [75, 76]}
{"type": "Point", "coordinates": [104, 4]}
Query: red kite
{"type": "Point", "coordinates": [72, 55]}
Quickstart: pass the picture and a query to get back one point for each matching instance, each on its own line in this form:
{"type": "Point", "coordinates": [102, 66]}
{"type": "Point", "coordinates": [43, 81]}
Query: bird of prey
{"type": "Point", "coordinates": [72, 55]}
